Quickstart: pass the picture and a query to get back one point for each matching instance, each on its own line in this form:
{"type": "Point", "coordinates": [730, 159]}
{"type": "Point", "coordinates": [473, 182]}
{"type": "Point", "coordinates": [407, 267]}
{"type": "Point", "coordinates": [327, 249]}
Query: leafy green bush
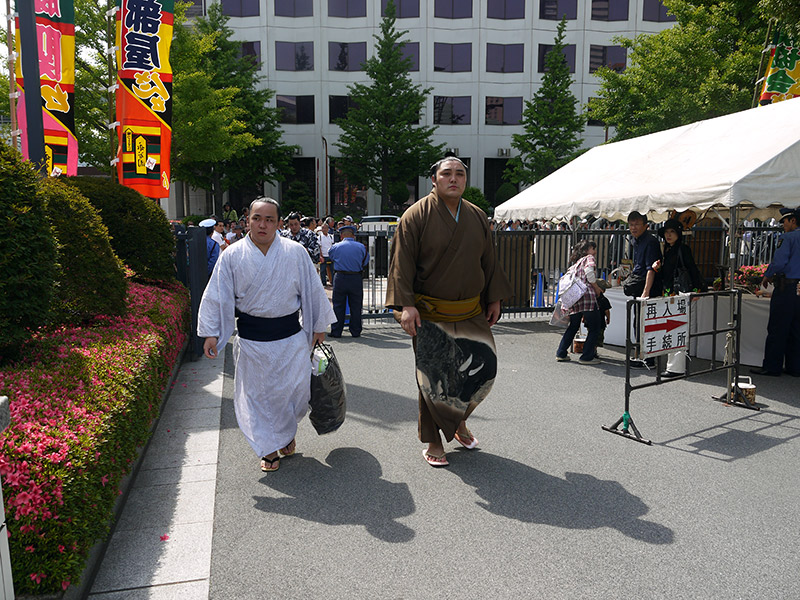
{"type": "Point", "coordinates": [27, 253]}
{"type": "Point", "coordinates": [91, 280]}
{"type": "Point", "coordinates": [475, 195]}
{"type": "Point", "coordinates": [298, 198]}
{"type": "Point", "coordinates": [505, 192]}
{"type": "Point", "coordinates": [82, 401]}
{"type": "Point", "coordinates": [140, 233]}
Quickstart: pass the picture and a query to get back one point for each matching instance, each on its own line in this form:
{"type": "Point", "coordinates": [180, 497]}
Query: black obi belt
{"type": "Point", "coordinates": [260, 329]}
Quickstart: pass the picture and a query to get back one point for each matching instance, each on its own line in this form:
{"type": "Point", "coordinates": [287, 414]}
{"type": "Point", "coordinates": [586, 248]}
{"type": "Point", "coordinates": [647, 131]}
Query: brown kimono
{"type": "Point", "coordinates": [432, 254]}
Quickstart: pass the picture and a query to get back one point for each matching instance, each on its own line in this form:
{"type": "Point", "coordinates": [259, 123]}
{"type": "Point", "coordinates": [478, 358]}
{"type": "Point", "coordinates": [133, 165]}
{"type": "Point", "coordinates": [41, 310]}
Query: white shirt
{"type": "Point", "coordinates": [325, 243]}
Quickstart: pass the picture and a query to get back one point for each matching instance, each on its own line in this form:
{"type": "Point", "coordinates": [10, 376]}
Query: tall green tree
{"type": "Point", "coordinates": [703, 67]}
{"type": "Point", "coordinates": [381, 143]}
{"type": "Point", "coordinates": [551, 119]}
{"type": "Point", "coordinates": [787, 12]}
{"type": "Point", "coordinates": [225, 134]}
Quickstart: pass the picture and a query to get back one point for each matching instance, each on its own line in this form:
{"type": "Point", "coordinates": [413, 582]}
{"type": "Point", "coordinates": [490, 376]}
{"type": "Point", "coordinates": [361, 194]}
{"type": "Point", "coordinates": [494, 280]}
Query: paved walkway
{"type": "Point", "coordinates": [161, 547]}
{"type": "Point", "coordinates": [549, 506]}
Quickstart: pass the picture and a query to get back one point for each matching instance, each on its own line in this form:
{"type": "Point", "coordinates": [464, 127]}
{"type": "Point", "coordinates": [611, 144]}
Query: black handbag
{"type": "Point", "coordinates": [633, 285]}
{"type": "Point", "coordinates": [682, 282]}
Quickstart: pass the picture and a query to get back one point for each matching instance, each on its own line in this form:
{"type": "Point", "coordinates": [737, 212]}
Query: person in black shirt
{"type": "Point", "coordinates": [677, 256]}
{"type": "Point", "coordinates": [644, 281]}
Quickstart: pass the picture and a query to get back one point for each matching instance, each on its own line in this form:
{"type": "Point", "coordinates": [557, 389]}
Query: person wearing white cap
{"type": "Point", "coordinates": [212, 247]}
{"type": "Point", "coordinates": [261, 287]}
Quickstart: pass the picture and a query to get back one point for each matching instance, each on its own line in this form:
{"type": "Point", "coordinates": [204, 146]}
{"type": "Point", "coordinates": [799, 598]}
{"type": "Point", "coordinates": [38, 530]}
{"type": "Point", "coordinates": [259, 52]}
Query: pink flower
{"type": "Point", "coordinates": [164, 537]}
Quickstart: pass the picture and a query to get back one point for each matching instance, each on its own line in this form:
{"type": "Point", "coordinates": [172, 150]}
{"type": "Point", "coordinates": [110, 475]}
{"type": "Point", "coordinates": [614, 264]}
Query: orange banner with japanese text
{"type": "Point", "coordinates": [144, 95]}
{"type": "Point", "coordinates": [55, 37]}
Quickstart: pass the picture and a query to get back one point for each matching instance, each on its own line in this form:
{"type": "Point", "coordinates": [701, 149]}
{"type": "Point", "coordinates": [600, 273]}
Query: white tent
{"type": "Point", "coordinates": [749, 159]}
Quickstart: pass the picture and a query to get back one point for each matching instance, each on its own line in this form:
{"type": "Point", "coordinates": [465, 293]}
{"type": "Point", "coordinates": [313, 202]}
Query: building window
{"type": "Point", "coordinates": [345, 56]}
{"type": "Point", "coordinates": [504, 58]}
{"type": "Point", "coordinates": [569, 54]}
{"type": "Point", "coordinates": [294, 56]}
{"type": "Point", "coordinates": [590, 121]}
{"type": "Point", "coordinates": [506, 9]}
{"type": "Point", "coordinates": [252, 50]}
{"type": "Point", "coordinates": [294, 8]}
{"type": "Point", "coordinates": [654, 10]}
{"type": "Point", "coordinates": [339, 106]}
{"type": "Point", "coordinates": [452, 110]}
{"type": "Point", "coordinates": [296, 110]}
{"type": "Point", "coordinates": [609, 10]}
{"type": "Point", "coordinates": [405, 9]}
{"type": "Point", "coordinates": [240, 8]}
{"type": "Point", "coordinates": [411, 52]}
{"type": "Point", "coordinates": [554, 10]}
{"type": "Point", "coordinates": [503, 111]}
{"type": "Point", "coordinates": [453, 9]}
{"type": "Point", "coordinates": [452, 58]}
{"type": "Point", "coordinates": [612, 57]}
{"type": "Point", "coordinates": [347, 8]}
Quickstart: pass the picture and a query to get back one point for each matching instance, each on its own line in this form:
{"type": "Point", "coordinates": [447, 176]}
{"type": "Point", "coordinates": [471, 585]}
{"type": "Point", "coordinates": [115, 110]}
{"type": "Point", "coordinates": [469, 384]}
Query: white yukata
{"type": "Point", "coordinates": [272, 385]}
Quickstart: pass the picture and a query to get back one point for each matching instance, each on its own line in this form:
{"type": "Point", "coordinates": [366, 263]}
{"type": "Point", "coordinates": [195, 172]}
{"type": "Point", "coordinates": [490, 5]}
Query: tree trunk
{"type": "Point", "coordinates": [217, 194]}
{"type": "Point", "coordinates": [384, 188]}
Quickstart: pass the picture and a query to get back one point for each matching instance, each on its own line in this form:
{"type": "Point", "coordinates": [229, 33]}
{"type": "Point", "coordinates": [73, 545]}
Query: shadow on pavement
{"type": "Point", "coordinates": [379, 408]}
{"type": "Point", "coordinates": [579, 501]}
{"type": "Point", "coordinates": [739, 438]}
{"type": "Point", "coordinates": [347, 491]}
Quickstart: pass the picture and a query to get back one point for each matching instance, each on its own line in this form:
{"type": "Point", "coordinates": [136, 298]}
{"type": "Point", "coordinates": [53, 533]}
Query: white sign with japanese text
{"type": "Point", "coordinates": [664, 326]}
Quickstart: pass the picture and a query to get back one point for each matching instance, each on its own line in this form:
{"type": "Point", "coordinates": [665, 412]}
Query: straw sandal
{"type": "Point", "coordinates": [435, 460]}
{"type": "Point", "coordinates": [468, 442]}
{"type": "Point", "coordinates": [289, 449]}
{"type": "Point", "coordinates": [270, 464]}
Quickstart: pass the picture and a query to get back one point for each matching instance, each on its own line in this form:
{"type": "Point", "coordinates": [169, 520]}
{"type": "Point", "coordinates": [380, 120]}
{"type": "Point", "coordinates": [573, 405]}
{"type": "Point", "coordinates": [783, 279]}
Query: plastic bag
{"type": "Point", "coordinates": [328, 391]}
{"type": "Point", "coordinates": [560, 316]}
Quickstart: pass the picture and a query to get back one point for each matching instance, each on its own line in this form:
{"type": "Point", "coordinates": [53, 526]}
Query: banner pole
{"type": "Point", "coordinates": [29, 48]}
{"type": "Point", "coordinates": [111, 35]}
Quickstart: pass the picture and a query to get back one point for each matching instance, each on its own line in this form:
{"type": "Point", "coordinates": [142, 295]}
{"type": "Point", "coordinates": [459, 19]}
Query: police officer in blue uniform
{"type": "Point", "coordinates": [349, 259]}
{"type": "Point", "coordinates": [783, 329]}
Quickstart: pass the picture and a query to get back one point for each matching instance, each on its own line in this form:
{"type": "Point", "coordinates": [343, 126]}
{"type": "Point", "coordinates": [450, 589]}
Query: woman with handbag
{"type": "Point", "coordinates": [679, 274]}
{"type": "Point", "coordinates": [585, 309]}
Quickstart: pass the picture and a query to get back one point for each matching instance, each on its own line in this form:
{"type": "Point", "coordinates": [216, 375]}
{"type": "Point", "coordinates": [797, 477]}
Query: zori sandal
{"type": "Point", "coordinates": [435, 460]}
{"type": "Point", "coordinates": [270, 464]}
{"type": "Point", "coordinates": [289, 449]}
{"type": "Point", "coordinates": [468, 442]}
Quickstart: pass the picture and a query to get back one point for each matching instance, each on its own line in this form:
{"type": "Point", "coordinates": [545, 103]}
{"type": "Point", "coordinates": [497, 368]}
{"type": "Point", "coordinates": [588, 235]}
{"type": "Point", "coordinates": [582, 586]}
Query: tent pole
{"type": "Point", "coordinates": [733, 219]}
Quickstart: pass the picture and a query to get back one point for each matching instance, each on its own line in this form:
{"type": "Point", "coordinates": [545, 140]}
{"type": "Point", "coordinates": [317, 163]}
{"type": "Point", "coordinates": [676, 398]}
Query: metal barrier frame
{"type": "Point", "coordinates": [733, 394]}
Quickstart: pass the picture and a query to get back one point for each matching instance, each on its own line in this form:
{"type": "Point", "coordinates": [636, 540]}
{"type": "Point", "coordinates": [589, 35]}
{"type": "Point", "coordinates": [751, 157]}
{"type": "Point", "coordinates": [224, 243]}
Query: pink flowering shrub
{"type": "Point", "coordinates": [749, 277]}
{"type": "Point", "coordinates": [82, 401]}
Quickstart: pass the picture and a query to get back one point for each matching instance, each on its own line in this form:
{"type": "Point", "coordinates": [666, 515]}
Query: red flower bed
{"type": "Point", "coordinates": [82, 401]}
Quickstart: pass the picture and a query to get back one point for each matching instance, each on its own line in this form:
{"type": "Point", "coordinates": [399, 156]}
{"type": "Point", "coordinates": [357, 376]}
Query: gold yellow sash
{"type": "Point", "coordinates": [447, 311]}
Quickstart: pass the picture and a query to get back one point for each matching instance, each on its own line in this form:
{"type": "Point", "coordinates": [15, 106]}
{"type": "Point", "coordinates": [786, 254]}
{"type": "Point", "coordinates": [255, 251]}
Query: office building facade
{"type": "Point", "coordinates": [482, 58]}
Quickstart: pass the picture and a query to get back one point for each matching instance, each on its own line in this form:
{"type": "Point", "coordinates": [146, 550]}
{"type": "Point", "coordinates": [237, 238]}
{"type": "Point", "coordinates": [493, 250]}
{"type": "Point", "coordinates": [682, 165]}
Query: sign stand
{"type": "Point", "coordinates": [626, 420]}
{"type": "Point", "coordinates": [662, 325]}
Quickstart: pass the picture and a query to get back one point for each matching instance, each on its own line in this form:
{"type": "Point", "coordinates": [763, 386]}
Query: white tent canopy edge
{"type": "Point", "coordinates": [749, 159]}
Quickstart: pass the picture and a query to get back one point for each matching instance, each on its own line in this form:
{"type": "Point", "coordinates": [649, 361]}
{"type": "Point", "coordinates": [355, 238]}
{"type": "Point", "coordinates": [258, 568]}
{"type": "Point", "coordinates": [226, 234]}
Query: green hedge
{"type": "Point", "coordinates": [82, 402]}
{"type": "Point", "coordinates": [140, 232]}
{"type": "Point", "coordinates": [27, 253]}
{"type": "Point", "coordinates": [91, 280]}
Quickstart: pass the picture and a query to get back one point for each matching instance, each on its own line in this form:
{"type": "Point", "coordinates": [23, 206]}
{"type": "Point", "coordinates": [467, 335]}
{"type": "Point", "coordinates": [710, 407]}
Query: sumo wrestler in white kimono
{"type": "Point", "coordinates": [266, 276]}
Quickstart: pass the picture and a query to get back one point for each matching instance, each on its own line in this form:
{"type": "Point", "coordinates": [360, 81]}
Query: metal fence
{"type": "Point", "coordinates": [535, 260]}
